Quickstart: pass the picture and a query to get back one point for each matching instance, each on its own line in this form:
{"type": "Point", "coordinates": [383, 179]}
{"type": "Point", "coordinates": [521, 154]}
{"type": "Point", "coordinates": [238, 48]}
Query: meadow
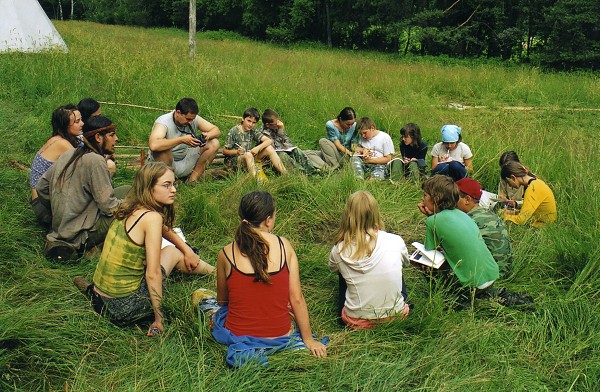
{"type": "Point", "coordinates": [51, 339]}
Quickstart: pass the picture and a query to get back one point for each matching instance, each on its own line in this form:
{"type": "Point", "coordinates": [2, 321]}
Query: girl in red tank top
{"type": "Point", "coordinates": [258, 277]}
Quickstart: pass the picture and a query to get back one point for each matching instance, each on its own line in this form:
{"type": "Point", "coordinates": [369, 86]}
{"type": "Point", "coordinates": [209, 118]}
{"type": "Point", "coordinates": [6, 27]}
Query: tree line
{"type": "Point", "coordinates": [557, 34]}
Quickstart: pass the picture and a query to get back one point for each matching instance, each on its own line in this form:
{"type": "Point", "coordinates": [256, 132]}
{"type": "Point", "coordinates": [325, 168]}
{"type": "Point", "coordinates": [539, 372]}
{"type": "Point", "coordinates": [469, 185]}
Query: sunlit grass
{"type": "Point", "coordinates": [51, 339]}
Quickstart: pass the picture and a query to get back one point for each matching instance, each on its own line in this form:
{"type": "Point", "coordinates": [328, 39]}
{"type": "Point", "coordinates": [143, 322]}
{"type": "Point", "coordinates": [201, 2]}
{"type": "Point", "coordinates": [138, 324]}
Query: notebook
{"type": "Point", "coordinates": [430, 258]}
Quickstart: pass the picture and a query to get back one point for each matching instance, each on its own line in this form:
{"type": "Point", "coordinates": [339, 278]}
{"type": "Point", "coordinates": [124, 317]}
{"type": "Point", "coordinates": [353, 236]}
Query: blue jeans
{"type": "Point", "coordinates": [453, 169]}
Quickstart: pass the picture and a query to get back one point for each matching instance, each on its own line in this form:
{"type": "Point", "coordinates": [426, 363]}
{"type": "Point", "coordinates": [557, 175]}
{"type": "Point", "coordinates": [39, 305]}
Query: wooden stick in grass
{"type": "Point", "coordinates": [229, 116]}
{"type": "Point", "coordinates": [133, 106]}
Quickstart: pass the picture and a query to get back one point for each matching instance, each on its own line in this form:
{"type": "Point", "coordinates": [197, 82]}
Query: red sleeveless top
{"type": "Point", "coordinates": [257, 308]}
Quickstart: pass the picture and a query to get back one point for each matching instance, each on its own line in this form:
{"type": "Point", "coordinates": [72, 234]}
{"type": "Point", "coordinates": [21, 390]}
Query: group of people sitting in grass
{"type": "Point", "coordinates": [259, 307]}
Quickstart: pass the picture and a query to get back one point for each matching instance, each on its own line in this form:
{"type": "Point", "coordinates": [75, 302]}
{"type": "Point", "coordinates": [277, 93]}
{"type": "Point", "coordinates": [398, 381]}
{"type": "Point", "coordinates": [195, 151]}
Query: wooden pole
{"type": "Point", "coordinates": [133, 106]}
{"type": "Point", "coordinates": [192, 29]}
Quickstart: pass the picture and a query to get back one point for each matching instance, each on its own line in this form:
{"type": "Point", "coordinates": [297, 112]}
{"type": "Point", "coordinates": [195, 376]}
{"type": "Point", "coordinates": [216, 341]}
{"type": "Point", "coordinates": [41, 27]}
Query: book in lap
{"type": "Point", "coordinates": [287, 149]}
{"type": "Point", "coordinates": [166, 242]}
{"type": "Point", "coordinates": [429, 258]}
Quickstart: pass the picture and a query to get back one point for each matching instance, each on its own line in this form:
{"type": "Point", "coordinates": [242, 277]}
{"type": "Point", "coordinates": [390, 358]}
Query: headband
{"type": "Point", "coordinates": [108, 128]}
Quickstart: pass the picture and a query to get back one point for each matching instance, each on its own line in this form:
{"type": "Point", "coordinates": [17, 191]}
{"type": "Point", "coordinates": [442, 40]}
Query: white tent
{"type": "Point", "coordinates": [24, 27]}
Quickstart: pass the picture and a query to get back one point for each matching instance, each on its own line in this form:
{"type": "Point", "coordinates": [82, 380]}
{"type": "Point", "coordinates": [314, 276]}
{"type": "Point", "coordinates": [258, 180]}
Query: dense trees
{"type": "Point", "coordinates": [560, 34]}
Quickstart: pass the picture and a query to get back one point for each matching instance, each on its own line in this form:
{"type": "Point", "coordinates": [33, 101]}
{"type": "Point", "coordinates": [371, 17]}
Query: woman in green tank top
{"type": "Point", "coordinates": [130, 276]}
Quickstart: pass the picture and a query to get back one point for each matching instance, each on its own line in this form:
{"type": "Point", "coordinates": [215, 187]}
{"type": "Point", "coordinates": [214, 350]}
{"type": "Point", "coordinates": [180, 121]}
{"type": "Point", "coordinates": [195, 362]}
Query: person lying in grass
{"type": "Point", "coordinates": [451, 156]}
{"type": "Point", "coordinates": [258, 283]}
{"type": "Point", "coordinates": [375, 149]}
{"type": "Point", "coordinates": [369, 262]}
{"type": "Point", "coordinates": [129, 281]}
{"type": "Point", "coordinates": [539, 205]}
{"type": "Point", "coordinates": [245, 144]}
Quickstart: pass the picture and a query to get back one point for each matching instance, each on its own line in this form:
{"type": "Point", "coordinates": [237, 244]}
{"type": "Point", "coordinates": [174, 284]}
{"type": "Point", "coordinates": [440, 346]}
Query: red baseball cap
{"type": "Point", "coordinates": [470, 187]}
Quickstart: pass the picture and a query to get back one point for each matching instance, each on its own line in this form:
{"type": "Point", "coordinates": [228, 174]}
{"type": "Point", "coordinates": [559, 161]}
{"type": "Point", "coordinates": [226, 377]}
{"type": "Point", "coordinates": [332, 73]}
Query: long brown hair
{"type": "Point", "coordinates": [140, 194]}
{"type": "Point", "coordinates": [361, 218]}
{"type": "Point", "coordinates": [514, 168]}
{"type": "Point", "coordinates": [254, 208]}
{"type": "Point", "coordinates": [61, 119]}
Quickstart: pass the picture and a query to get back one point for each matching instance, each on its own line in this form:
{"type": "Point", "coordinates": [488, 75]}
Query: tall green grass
{"type": "Point", "coordinates": [50, 338]}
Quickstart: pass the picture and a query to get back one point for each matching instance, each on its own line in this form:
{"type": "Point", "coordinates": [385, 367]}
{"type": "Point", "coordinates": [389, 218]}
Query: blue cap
{"type": "Point", "coordinates": [450, 133]}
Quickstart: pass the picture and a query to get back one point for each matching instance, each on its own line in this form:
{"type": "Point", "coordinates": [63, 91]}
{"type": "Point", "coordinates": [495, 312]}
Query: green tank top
{"type": "Point", "coordinates": [121, 266]}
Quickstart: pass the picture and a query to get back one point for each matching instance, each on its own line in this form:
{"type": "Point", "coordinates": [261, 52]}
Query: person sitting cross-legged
{"type": "Point", "coordinates": [245, 145]}
{"type": "Point", "coordinates": [259, 307]}
{"type": "Point", "coordinates": [375, 149]}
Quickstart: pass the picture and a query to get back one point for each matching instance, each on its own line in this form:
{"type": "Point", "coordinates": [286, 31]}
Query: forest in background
{"type": "Point", "coordinates": [554, 34]}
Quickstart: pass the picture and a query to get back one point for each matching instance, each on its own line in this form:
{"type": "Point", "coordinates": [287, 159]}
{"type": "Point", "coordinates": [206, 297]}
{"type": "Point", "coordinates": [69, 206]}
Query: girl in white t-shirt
{"type": "Point", "coordinates": [451, 156]}
{"type": "Point", "coordinates": [369, 262]}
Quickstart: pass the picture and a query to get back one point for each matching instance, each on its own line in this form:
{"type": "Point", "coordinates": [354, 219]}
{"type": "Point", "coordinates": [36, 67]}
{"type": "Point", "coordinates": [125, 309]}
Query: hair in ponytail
{"type": "Point", "coordinates": [254, 208]}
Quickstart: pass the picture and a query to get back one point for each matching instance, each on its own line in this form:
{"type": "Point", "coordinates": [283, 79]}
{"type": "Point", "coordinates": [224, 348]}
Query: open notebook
{"type": "Point", "coordinates": [166, 243]}
{"type": "Point", "coordinates": [430, 258]}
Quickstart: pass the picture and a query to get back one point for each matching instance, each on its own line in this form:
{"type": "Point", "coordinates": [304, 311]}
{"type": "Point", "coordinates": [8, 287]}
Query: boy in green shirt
{"type": "Point", "coordinates": [461, 241]}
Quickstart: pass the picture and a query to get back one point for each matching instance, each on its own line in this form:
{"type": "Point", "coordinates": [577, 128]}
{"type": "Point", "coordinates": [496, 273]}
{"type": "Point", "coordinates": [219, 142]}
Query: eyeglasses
{"type": "Point", "coordinates": [168, 185]}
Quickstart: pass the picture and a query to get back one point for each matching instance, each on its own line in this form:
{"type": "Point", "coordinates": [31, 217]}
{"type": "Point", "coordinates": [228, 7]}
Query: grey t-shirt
{"type": "Point", "coordinates": [175, 131]}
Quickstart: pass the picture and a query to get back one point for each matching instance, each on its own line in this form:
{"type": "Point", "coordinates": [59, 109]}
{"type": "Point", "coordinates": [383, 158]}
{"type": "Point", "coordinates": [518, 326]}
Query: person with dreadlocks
{"type": "Point", "coordinates": [80, 192]}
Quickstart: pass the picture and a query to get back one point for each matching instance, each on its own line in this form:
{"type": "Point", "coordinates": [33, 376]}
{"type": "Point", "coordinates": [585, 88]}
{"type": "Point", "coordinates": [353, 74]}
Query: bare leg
{"type": "Point", "coordinates": [248, 160]}
{"type": "Point", "coordinates": [207, 154]}
{"type": "Point", "coordinates": [273, 157]}
{"type": "Point", "coordinates": [171, 257]}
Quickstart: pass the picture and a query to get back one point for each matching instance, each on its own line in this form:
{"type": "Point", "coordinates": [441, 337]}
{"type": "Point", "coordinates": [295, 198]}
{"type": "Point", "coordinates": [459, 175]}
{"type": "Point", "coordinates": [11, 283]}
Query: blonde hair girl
{"type": "Point", "coordinates": [369, 262]}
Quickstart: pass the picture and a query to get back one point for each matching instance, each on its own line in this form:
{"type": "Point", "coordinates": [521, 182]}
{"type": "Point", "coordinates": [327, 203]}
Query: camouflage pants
{"type": "Point", "coordinates": [298, 159]}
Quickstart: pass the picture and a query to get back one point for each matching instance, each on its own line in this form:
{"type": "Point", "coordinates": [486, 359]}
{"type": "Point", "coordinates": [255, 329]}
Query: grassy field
{"type": "Point", "coordinates": [50, 339]}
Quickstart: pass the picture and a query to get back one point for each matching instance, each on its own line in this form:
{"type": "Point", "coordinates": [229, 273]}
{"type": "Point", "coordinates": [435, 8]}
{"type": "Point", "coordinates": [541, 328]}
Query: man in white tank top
{"type": "Point", "coordinates": [184, 140]}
